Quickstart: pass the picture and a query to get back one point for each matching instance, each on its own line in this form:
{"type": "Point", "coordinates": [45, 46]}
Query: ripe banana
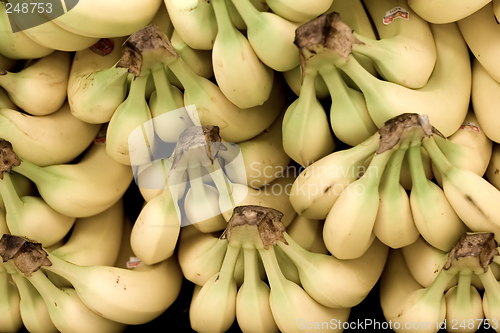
{"type": "Point", "coordinates": [484, 97]}
{"type": "Point", "coordinates": [32, 217]}
{"type": "Point", "coordinates": [18, 45]}
{"type": "Point", "coordinates": [34, 311]}
{"type": "Point", "coordinates": [493, 171]}
{"type": "Point", "coordinates": [318, 187]}
{"type": "Point", "coordinates": [39, 89]}
{"type": "Point", "coordinates": [96, 87]}
{"type": "Point", "coordinates": [270, 36]}
{"type": "Point", "coordinates": [480, 31]}
{"type": "Point", "coordinates": [86, 188]}
{"type": "Point", "coordinates": [106, 19]}
{"type": "Point", "coordinates": [211, 107]}
{"type": "Point", "coordinates": [447, 91]}
{"type": "Point", "coordinates": [348, 230]}
{"type": "Point", "coordinates": [445, 11]}
{"type": "Point", "coordinates": [394, 225]}
{"type": "Point", "coordinates": [406, 53]}
{"type": "Point", "coordinates": [240, 74]}
{"type": "Point", "coordinates": [47, 140]}
{"type": "Point", "coordinates": [468, 148]}
{"type": "Point", "coordinates": [306, 133]}
{"type": "Point", "coordinates": [195, 22]}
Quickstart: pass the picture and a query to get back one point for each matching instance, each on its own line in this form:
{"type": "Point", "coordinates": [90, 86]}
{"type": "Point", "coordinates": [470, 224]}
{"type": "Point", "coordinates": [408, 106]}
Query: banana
{"type": "Point", "coordinates": [292, 307]}
{"type": "Point", "coordinates": [156, 230]}
{"type": "Point", "coordinates": [348, 230]}
{"type": "Point", "coordinates": [195, 22]}
{"type": "Point", "coordinates": [432, 213]}
{"type": "Point", "coordinates": [214, 307]}
{"type": "Point", "coordinates": [464, 305]}
{"type": "Point", "coordinates": [10, 321]}
{"type": "Point", "coordinates": [32, 217]}
{"type": "Point", "coordinates": [445, 11]}
{"type": "Point", "coordinates": [200, 61]}
{"type": "Point", "coordinates": [394, 224]}
{"type": "Point", "coordinates": [349, 116]}
{"type": "Point", "coordinates": [236, 18]}
{"type": "Point", "coordinates": [308, 233]}
{"type": "Point", "coordinates": [493, 171]}
{"type": "Point", "coordinates": [200, 254]}
{"type": "Point", "coordinates": [253, 311]}
{"type": "Point", "coordinates": [211, 107]}
{"type": "Point", "coordinates": [405, 177]}
{"type": "Point", "coordinates": [263, 157]}
{"type": "Point", "coordinates": [240, 74]}
{"type": "Point", "coordinates": [34, 311]}
{"type": "Point", "coordinates": [23, 186]}
{"type": "Point", "coordinates": [129, 296]}
{"type": "Point", "coordinates": [93, 19]}
{"type": "Point", "coordinates": [468, 148]}
{"type": "Point", "coordinates": [306, 134]}
{"type": "Point", "coordinates": [447, 91]}
{"type": "Point", "coordinates": [86, 188]}
{"type": "Point", "coordinates": [299, 10]}
{"type": "Point", "coordinates": [425, 306]}
{"type": "Point", "coordinates": [293, 79]}
{"type": "Point", "coordinates": [480, 31]}
{"type": "Point", "coordinates": [320, 184]}
{"type": "Point", "coordinates": [491, 297]}
{"type": "Point", "coordinates": [396, 283]}
{"type": "Point", "coordinates": [484, 97]}
{"type": "Point", "coordinates": [96, 87]}
{"type": "Point", "coordinates": [270, 36]}
{"type": "Point", "coordinates": [316, 271]}
{"type": "Point", "coordinates": [95, 240]}
{"type": "Point", "coordinates": [46, 140]}
{"type": "Point", "coordinates": [6, 102]}
{"type": "Point", "coordinates": [17, 45]}
{"type": "Point", "coordinates": [406, 53]}
{"type": "Point", "coordinates": [38, 28]}
{"type": "Point", "coordinates": [39, 89]}
{"type": "Point", "coordinates": [496, 8]}
{"type": "Point", "coordinates": [472, 197]}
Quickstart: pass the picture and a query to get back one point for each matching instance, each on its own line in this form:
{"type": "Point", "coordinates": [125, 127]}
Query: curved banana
{"type": "Point", "coordinates": [47, 140]}
{"type": "Point", "coordinates": [195, 22]}
{"type": "Point", "coordinates": [240, 74]}
{"type": "Point", "coordinates": [493, 171]}
{"type": "Point", "coordinates": [48, 34]}
{"type": "Point", "coordinates": [320, 184]}
{"type": "Point", "coordinates": [34, 311]}
{"type": "Point", "coordinates": [93, 19]}
{"type": "Point", "coordinates": [316, 271]}
{"type": "Point", "coordinates": [39, 89]}
{"type": "Point", "coordinates": [348, 230]}
{"type": "Point", "coordinates": [394, 225]}
{"type": "Point", "coordinates": [468, 148]}
{"type": "Point", "coordinates": [211, 107]}
{"type": "Point", "coordinates": [447, 91]}
{"type": "Point", "coordinates": [433, 215]}
{"type": "Point", "coordinates": [270, 35]}
{"type": "Point", "coordinates": [299, 10]}
{"type": "Point", "coordinates": [32, 217]}
{"type": "Point", "coordinates": [253, 311]}
{"type": "Point", "coordinates": [10, 321]}
{"type": "Point", "coordinates": [200, 61]}
{"type": "Point", "coordinates": [86, 188]}
{"type": "Point", "coordinates": [445, 11]}
{"type": "Point", "coordinates": [405, 53]}
{"type": "Point", "coordinates": [18, 45]}
{"type": "Point", "coordinates": [484, 97]}
{"type": "Point", "coordinates": [95, 86]}
{"type": "Point", "coordinates": [480, 31]}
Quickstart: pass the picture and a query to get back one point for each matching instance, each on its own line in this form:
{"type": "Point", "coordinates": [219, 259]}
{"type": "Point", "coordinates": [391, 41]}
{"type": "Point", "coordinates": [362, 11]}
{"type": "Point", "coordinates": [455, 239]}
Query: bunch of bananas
{"type": "Point", "coordinates": [287, 158]}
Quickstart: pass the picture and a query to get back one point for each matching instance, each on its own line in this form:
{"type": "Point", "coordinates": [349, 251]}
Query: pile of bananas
{"type": "Point", "coordinates": [289, 157]}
